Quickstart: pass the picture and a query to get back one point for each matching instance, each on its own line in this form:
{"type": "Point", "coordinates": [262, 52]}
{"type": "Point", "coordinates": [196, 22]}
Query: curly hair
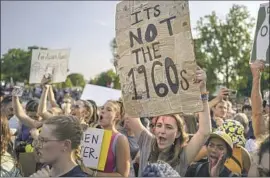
{"type": "Point", "coordinates": [5, 133]}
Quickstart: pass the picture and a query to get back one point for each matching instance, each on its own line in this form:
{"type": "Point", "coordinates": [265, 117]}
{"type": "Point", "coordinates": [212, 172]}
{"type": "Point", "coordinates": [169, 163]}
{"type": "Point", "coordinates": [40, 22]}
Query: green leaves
{"type": "Point", "coordinates": [223, 48]}
{"type": "Point", "coordinates": [108, 78]}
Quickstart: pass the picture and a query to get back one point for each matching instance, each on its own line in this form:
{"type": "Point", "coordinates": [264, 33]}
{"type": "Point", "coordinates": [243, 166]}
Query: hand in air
{"type": "Point", "coordinates": [200, 78]}
{"type": "Point", "coordinates": [215, 167]}
{"type": "Point", "coordinates": [257, 67]}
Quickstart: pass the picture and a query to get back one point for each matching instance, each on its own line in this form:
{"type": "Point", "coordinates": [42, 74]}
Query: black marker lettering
{"type": "Point", "coordinates": [160, 86]}
{"type": "Point", "coordinates": [168, 20]}
{"type": "Point", "coordinates": [157, 11]}
{"type": "Point", "coordinates": [136, 17]}
{"type": "Point", "coordinates": [147, 9]}
{"type": "Point", "coordinates": [87, 138]}
{"type": "Point", "coordinates": [149, 54]}
{"type": "Point", "coordinates": [151, 33]}
{"type": "Point", "coordinates": [187, 84]}
{"type": "Point", "coordinates": [95, 139]}
{"type": "Point", "coordinates": [138, 38]}
{"type": "Point", "coordinates": [170, 64]}
{"type": "Point", "coordinates": [155, 50]}
{"type": "Point", "coordinates": [137, 55]}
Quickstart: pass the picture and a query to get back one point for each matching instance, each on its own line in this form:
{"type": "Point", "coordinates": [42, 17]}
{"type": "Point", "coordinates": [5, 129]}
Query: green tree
{"type": "Point", "coordinates": [77, 79]}
{"type": "Point", "coordinates": [16, 64]}
{"type": "Point", "coordinates": [113, 46]}
{"type": "Point", "coordinates": [106, 79]}
{"type": "Point", "coordinates": [223, 48]}
{"type": "Point", "coordinates": [67, 83]}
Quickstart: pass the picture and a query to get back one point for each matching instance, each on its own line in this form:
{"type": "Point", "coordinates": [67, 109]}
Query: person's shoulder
{"type": "Point", "coordinates": [193, 169]}
{"type": "Point", "coordinates": [76, 172]}
{"type": "Point", "coordinates": [227, 173]}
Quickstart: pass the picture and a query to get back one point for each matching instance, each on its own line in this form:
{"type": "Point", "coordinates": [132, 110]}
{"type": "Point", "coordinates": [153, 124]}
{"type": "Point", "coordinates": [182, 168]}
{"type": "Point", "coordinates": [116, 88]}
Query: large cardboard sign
{"type": "Point", "coordinates": [94, 148]}
{"type": "Point", "coordinates": [100, 94]}
{"type": "Point", "coordinates": [52, 63]}
{"type": "Point", "coordinates": [260, 48]}
{"type": "Point", "coordinates": [156, 61]}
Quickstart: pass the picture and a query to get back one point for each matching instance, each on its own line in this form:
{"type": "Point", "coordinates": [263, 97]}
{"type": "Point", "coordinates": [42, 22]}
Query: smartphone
{"type": "Point", "coordinates": [17, 91]}
{"type": "Point", "coordinates": [232, 93]}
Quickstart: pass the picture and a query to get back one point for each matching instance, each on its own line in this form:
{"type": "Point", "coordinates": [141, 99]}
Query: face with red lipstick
{"type": "Point", "coordinates": [166, 131]}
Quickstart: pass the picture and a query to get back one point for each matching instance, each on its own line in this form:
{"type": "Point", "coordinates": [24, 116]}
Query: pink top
{"type": "Point", "coordinates": [111, 161]}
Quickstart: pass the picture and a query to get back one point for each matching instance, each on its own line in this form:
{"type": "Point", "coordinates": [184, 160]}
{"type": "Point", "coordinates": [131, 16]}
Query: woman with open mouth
{"type": "Point", "coordinates": [169, 141]}
{"type": "Point", "coordinates": [118, 159]}
{"type": "Point", "coordinates": [86, 112]}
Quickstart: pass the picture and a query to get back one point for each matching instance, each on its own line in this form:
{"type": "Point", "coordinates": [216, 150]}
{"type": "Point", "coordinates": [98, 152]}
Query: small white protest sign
{"type": "Point", "coordinates": [100, 94]}
{"type": "Point", "coordinates": [260, 50]}
{"type": "Point", "coordinates": [91, 146]}
{"type": "Point", "coordinates": [52, 63]}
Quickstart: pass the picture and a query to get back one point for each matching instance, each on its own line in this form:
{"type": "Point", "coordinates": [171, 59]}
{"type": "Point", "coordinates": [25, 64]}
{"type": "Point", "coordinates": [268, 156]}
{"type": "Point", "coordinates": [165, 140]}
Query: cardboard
{"type": "Point", "coordinates": [156, 62]}
{"type": "Point", "coordinates": [52, 63]}
{"type": "Point", "coordinates": [94, 148]}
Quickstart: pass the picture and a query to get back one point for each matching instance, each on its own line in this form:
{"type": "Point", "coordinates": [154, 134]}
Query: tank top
{"type": "Point", "coordinates": [110, 165]}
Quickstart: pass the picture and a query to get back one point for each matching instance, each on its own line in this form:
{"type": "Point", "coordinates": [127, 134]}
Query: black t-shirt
{"type": "Point", "coordinates": [204, 171]}
{"type": "Point", "coordinates": [75, 172]}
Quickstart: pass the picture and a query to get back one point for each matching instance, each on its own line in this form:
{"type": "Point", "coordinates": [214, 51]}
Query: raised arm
{"type": "Point", "coordinates": [137, 127]}
{"type": "Point", "coordinates": [42, 108]}
{"type": "Point", "coordinates": [22, 116]}
{"type": "Point", "coordinates": [201, 136]}
{"type": "Point", "coordinates": [52, 98]}
{"type": "Point", "coordinates": [223, 92]}
{"type": "Point", "coordinates": [256, 99]}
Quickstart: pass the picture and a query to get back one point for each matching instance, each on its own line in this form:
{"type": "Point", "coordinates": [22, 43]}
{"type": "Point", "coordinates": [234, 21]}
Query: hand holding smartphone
{"type": "Point", "coordinates": [17, 91]}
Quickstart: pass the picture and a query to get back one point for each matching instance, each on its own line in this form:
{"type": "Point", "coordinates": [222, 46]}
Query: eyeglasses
{"type": "Point", "coordinates": [39, 143]}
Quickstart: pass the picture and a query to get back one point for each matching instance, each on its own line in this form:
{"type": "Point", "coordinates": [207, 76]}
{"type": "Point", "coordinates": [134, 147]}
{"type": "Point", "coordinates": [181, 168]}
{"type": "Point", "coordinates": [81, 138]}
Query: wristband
{"type": "Point", "coordinates": [204, 96]}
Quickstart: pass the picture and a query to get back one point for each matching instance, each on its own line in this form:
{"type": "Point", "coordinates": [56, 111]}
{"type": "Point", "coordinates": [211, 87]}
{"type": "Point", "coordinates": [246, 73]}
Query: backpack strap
{"type": "Point", "coordinates": [198, 168]}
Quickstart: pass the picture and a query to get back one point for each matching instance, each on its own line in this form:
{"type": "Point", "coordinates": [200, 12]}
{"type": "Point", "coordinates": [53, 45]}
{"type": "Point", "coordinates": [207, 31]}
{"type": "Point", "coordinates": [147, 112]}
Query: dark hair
{"type": "Point", "coordinates": [2, 93]}
{"type": "Point", "coordinates": [264, 103]}
{"type": "Point", "coordinates": [246, 107]}
{"type": "Point", "coordinates": [6, 99]}
{"type": "Point", "coordinates": [32, 105]}
{"type": "Point", "coordinates": [264, 147]}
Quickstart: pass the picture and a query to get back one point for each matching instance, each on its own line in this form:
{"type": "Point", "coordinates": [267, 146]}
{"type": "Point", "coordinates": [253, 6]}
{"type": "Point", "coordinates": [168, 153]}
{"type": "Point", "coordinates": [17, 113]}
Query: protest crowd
{"type": "Point", "coordinates": [42, 132]}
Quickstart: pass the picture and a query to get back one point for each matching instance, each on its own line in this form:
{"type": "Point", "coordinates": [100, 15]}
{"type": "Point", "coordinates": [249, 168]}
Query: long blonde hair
{"type": "Point", "coordinates": [171, 156]}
